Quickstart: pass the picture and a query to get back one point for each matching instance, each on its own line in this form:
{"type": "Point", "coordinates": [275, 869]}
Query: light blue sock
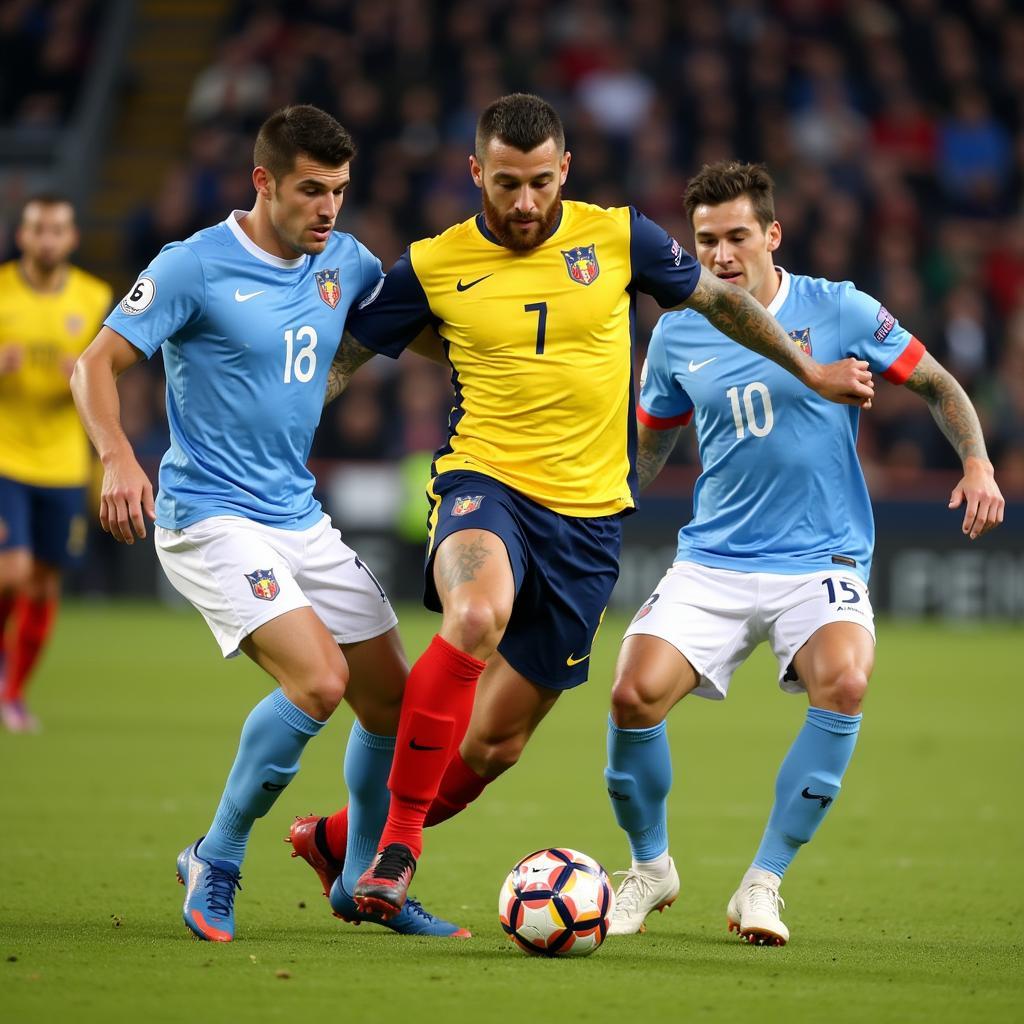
{"type": "Point", "coordinates": [367, 766]}
{"type": "Point", "coordinates": [268, 755]}
{"type": "Point", "coordinates": [639, 776]}
{"type": "Point", "coordinates": [808, 782]}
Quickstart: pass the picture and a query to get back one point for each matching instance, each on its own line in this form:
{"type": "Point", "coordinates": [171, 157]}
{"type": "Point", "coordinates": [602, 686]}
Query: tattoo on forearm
{"type": "Point", "coordinates": [950, 407]}
{"type": "Point", "coordinates": [460, 564]}
{"type": "Point", "coordinates": [653, 450]}
{"type": "Point", "coordinates": [736, 313]}
{"type": "Point", "coordinates": [349, 357]}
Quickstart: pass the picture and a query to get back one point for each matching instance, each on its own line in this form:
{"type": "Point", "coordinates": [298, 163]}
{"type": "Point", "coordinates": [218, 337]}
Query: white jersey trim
{"type": "Point", "coordinates": [782, 294]}
{"type": "Point", "coordinates": [254, 250]}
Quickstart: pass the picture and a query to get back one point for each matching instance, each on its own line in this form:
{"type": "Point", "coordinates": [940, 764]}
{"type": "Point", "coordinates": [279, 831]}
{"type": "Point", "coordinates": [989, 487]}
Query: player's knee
{"type": "Point", "coordinates": [490, 757]}
{"type": "Point", "coordinates": [844, 691]}
{"type": "Point", "coordinates": [475, 625]}
{"type": "Point", "coordinates": [15, 571]}
{"type": "Point", "coordinates": [635, 701]}
{"type": "Point", "coordinates": [326, 690]}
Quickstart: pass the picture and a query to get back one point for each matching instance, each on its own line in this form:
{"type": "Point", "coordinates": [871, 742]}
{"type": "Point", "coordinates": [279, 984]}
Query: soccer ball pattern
{"type": "Point", "coordinates": [556, 902]}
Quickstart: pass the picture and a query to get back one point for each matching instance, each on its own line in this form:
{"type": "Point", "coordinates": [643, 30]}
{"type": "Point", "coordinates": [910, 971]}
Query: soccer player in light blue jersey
{"type": "Point", "coordinates": [249, 314]}
{"type": "Point", "coordinates": [779, 547]}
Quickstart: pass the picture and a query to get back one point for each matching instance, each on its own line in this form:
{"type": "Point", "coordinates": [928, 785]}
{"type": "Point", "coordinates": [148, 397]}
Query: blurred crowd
{"type": "Point", "coordinates": [45, 50]}
{"type": "Point", "coordinates": [895, 132]}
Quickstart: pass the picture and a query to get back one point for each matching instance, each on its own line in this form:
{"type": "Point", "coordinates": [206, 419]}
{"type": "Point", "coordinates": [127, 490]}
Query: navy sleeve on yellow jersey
{"type": "Point", "coordinates": [388, 320]}
{"type": "Point", "coordinates": [662, 268]}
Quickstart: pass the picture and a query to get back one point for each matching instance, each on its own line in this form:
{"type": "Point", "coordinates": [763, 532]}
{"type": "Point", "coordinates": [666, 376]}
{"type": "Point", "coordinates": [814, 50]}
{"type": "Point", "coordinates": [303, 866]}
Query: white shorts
{"type": "Point", "coordinates": [240, 574]}
{"type": "Point", "coordinates": [716, 617]}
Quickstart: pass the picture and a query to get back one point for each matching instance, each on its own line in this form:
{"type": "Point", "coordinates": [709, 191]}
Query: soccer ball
{"type": "Point", "coordinates": [556, 902]}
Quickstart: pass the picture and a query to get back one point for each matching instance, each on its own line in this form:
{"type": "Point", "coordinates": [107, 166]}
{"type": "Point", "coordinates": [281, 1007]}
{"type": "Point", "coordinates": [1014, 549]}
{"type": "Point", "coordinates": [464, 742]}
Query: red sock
{"type": "Point", "coordinates": [435, 713]}
{"type": "Point", "coordinates": [337, 833]}
{"type": "Point", "coordinates": [6, 606]}
{"type": "Point", "coordinates": [459, 787]}
{"type": "Point", "coordinates": [31, 625]}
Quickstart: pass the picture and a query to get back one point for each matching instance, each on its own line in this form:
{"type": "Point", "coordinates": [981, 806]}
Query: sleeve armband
{"type": "Point", "coordinates": [663, 423]}
{"type": "Point", "coordinates": [906, 363]}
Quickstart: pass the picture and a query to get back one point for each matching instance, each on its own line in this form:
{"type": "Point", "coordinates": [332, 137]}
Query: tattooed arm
{"type": "Point", "coordinates": [653, 448]}
{"type": "Point", "coordinates": [736, 313]}
{"type": "Point", "coordinates": [952, 411]}
{"type": "Point", "coordinates": [349, 357]}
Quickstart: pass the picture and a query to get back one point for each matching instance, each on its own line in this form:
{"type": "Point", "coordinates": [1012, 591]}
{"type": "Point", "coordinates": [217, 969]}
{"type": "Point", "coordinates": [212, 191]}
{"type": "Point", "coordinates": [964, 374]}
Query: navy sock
{"type": "Point", "coordinates": [271, 744]}
{"type": "Point", "coordinates": [808, 782]}
{"type": "Point", "coordinates": [367, 766]}
{"type": "Point", "coordinates": [639, 776]}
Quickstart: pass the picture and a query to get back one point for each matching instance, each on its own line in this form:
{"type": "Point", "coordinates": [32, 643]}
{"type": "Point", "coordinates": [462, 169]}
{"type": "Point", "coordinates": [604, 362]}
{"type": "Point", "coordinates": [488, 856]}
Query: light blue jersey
{"type": "Point", "coordinates": [781, 489]}
{"type": "Point", "coordinates": [248, 340]}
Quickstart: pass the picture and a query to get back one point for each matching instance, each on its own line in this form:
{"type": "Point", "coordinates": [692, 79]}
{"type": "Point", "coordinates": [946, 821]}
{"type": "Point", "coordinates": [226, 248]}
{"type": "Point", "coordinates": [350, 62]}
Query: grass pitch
{"type": "Point", "coordinates": [906, 907]}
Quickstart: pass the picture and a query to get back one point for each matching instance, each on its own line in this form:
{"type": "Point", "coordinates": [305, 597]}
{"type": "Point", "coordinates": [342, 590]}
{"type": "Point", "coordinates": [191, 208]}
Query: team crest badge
{"type": "Point", "coordinates": [463, 506]}
{"type": "Point", "coordinates": [264, 585]}
{"type": "Point", "coordinates": [329, 285]}
{"type": "Point", "coordinates": [803, 339]}
{"type": "Point", "coordinates": [581, 263]}
{"type": "Point", "coordinates": [645, 608]}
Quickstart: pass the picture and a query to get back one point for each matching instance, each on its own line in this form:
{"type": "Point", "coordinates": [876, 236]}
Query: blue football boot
{"type": "Point", "coordinates": [210, 885]}
{"type": "Point", "coordinates": [412, 919]}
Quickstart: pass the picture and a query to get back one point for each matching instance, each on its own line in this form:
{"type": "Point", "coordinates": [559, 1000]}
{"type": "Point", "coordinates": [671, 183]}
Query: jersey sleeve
{"type": "Point", "coordinates": [170, 293]}
{"type": "Point", "coordinates": [663, 403]}
{"type": "Point", "coordinates": [662, 268]}
{"type": "Point", "coordinates": [387, 320]}
{"type": "Point", "coordinates": [868, 331]}
{"type": "Point", "coordinates": [371, 275]}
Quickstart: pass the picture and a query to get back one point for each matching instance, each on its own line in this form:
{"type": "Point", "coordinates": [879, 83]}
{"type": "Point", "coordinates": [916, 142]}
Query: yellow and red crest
{"type": "Point", "coordinates": [329, 285]}
{"type": "Point", "coordinates": [463, 506]}
{"type": "Point", "coordinates": [264, 584]}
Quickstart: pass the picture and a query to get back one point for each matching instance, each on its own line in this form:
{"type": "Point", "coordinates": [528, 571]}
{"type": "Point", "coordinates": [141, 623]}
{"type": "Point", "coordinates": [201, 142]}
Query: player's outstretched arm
{"type": "Point", "coordinates": [127, 494]}
{"type": "Point", "coordinates": [349, 357]}
{"type": "Point", "coordinates": [653, 448]}
{"type": "Point", "coordinates": [958, 420]}
{"type": "Point", "coordinates": [736, 313]}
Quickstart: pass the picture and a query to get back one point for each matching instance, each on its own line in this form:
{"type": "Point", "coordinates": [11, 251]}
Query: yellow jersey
{"type": "Point", "coordinates": [540, 344]}
{"type": "Point", "coordinates": [41, 439]}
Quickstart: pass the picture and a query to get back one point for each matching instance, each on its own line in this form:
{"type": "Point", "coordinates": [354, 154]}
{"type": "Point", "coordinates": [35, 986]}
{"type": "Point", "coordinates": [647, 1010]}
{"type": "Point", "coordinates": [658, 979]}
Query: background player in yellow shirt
{"type": "Point", "coordinates": [49, 311]}
{"type": "Point", "coordinates": [534, 302]}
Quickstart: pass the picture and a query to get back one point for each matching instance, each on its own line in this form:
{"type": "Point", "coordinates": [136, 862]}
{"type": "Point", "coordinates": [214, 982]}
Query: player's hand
{"type": "Point", "coordinates": [11, 358]}
{"type": "Point", "coordinates": [985, 502]}
{"type": "Point", "coordinates": [848, 382]}
{"type": "Point", "coordinates": [126, 499]}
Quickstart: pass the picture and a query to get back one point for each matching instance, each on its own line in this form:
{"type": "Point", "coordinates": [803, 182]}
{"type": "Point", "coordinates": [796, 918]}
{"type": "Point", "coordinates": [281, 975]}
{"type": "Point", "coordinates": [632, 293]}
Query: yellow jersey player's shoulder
{"type": "Point", "coordinates": [580, 212]}
{"type": "Point", "coordinates": [457, 236]}
{"type": "Point", "coordinates": [92, 289]}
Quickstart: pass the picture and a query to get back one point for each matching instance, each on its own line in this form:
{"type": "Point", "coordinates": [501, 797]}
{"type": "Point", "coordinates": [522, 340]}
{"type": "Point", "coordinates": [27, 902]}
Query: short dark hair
{"type": "Point", "coordinates": [521, 120]}
{"type": "Point", "coordinates": [301, 129]}
{"type": "Point", "coordinates": [47, 199]}
{"type": "Point", "coordinates": [722, 182]}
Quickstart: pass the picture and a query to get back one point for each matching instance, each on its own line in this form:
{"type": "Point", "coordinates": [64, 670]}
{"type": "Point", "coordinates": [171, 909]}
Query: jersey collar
{"type": "Point", "coordinates": [782, 294]}
{"type": "Point", "coordinates": [254, 250]}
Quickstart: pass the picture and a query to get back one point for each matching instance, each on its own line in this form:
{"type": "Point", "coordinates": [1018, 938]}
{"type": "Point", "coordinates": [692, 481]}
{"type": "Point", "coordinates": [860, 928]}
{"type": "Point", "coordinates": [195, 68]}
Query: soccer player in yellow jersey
{"type": "Point", "coordinates": [533, 301]}
{"type": "Point", "coordinates": [49, 311]}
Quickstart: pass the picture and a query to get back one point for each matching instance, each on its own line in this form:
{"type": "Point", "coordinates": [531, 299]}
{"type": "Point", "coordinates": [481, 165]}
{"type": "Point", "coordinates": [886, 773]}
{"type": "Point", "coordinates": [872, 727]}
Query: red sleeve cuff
{"type": "Point", "coordinates": [660, 423]}
{"type": "Point", "coordinates": [904, 366]}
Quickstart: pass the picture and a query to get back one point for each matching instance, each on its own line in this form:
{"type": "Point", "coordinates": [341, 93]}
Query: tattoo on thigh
{"type": "Point", "coordinates": [460, 564]}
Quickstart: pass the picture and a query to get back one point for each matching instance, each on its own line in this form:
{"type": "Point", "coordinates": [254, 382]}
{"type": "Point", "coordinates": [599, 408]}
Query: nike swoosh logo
{"type": "Point", "coordinates": [823, 797]}
{"type": "Point", "coordinates": [572, 660]}
{"type": "Point", "coordinates": [694, 367]}
{"type": "Point", "coordinates": [239, 297]}
{"type": "Point", "coordinates": [419, 746]}
{"type": "Point", "coordinates": [460, 287]}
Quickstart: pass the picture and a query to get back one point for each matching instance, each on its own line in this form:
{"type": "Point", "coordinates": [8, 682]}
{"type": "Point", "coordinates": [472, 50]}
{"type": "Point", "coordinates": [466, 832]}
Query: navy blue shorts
{"type": "Point", "coordinates": [49, 521]}
{"type": "Point", "coordinates": [565, 568]}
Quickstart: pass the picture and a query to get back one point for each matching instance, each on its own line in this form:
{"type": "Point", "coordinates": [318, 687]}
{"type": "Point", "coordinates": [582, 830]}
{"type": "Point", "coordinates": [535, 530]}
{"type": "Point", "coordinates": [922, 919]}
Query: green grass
{"type": "Point", "coordinates": [906, 907]}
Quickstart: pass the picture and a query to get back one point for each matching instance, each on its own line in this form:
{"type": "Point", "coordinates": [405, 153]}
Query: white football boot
{"type": "Point", "coordinates": [753, 910]}
{"type": "Point", "coordinates": [638, 896]}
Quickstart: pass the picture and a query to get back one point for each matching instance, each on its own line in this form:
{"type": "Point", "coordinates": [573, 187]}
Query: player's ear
{"type": "Point", "coordinates": [774, 234]}
{"type": "Point", "coordinates": [563, 170]}
{"type": "Point", "coordinates": [261, 182]}
{"type": "Point", "coordinates": [476, 171]}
